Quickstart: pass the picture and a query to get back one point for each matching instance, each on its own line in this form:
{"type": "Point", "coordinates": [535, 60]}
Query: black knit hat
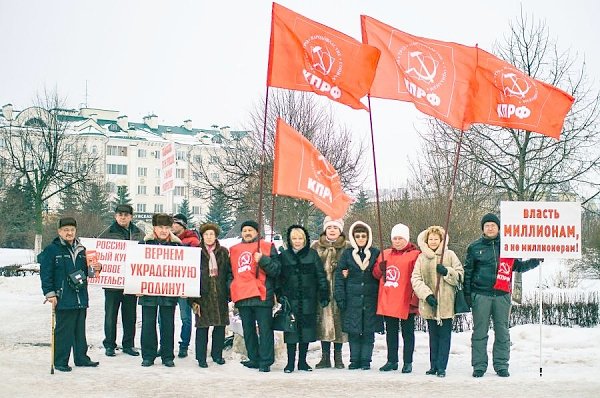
{"type": "Point", "coordinates": [490, 217]}
{"type": "Point", "coordinates": [67, 221]}
{"type": "Point", "coordinates": [250, 223]}
{"type": "Point", "coordinates": [180, 219]}
{"type": "Point", "coordinates": [162, 220]}
{"type": "Point", "coordinates": [124, 208]}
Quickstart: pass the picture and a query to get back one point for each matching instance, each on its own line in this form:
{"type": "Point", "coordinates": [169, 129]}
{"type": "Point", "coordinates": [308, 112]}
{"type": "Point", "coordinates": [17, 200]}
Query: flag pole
{"type": "Point", "coordinates": [262, 168]}
{"type": "Point", "coordinates": [376, 180]}
{"type": "Point", "coordinates": [450, 202]}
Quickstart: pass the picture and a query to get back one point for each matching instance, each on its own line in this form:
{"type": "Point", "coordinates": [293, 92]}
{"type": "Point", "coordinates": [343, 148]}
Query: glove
{"type": "Point", "coordinates": [469, 300]}
{"type": "Point", "coordinates": [324, 303]}
{"type": "Point", "coordinates": [441, 270]}
{"type": "Point", "coordinates": [382, 265]}
{"type": "Point", "coordinates": [341, 305]}
{"type": "Point", "coordinates": [431, 301]}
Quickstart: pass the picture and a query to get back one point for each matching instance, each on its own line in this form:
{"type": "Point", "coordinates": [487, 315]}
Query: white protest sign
{"type": "Point", "coordinates": [161, 270]}
{"type": "Point", "coordinates": [113, 255]}
{"type": "Point", "coordinates": [540, 230]}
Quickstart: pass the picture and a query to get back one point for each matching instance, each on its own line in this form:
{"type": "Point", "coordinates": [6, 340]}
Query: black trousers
{"type": "Point", "coordinates": [167, 332]}
{"type": "Point", "coordinates": [439, 343]}
{"type": "Point", "coordinates": [392, 327]}
{"type": "Point", "coordinates": [113, 299]}
{"type": "Point", "coordinates": [218, 340]}
{"type": "Point", "coordinates": [261, 348]}
{"type": "Point", "coordinates": [70, 333]}
{"type": "Point", "coordinates": [361, 347]}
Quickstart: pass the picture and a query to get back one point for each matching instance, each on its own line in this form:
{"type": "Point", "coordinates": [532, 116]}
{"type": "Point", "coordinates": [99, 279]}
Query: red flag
{"type": "Point", "coordinates": [300, 171]}
{"type": "Point", "coordinates": [507, 97]}
{"type": "Point", "coordinates": [307, 56]}
{"type": "Point", "coordinates": [434, 75]}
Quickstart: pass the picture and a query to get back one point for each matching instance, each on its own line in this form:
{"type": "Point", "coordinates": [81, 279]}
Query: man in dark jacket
{"type": "Point", "coordinates": [63, 272]}
{"type": "Point", "coordinates": [188, 238]}
{"type": "Point", "coordinates": [123, 229]}
{"type": "Point", "coordinates": [487, 289]}
{"type": "Point", "coordinates": [252, 281]}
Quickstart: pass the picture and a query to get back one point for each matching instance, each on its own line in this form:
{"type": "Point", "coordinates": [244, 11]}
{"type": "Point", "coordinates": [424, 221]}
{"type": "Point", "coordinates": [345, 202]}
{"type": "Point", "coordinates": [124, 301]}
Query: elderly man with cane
{"type": "Point", "coordinates": [64, 272]}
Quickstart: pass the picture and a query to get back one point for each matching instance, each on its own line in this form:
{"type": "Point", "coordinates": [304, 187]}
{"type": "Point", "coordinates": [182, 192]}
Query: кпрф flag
{"type": "Point", "coordinates": [307, 56]}
{"type": "Point", "coordinates": [300, 171]}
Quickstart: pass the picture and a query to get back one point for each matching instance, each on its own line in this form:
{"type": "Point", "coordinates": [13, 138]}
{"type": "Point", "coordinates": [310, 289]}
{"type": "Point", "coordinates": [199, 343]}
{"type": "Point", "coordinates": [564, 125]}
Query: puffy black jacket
{"type": "Point", "coordinates": [115, 231]}
{"type": "Point", "coordinates": [481, 266]}
{"type": "Point", "coordinates": [57, 261]}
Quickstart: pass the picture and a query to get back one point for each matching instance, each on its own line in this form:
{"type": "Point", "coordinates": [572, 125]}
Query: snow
{"type": "Point", "coordinates": [570, 362]}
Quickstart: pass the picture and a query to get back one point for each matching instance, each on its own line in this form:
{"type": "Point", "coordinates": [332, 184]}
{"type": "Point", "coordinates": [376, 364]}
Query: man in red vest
{"type": "Point", "coordinates": [254, 269]}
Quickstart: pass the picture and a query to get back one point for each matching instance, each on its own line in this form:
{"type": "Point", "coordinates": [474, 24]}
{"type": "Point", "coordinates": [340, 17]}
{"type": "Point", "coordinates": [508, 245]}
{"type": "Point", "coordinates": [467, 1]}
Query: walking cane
{"type": "Point", "coordinates": [52, 342]}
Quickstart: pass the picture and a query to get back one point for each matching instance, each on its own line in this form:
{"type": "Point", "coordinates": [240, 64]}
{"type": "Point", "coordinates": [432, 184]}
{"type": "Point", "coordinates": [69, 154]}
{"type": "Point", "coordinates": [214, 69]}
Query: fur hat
{"type": "Point", "coordinates": [162, 220]}
{"type": "Point", "coordinates": [400, 230]}
{"type": "Point", "coordinates": [67, 221]}
{"type": "Point", "coordinates": [124, 208]}
{"type": "Point", "coordinates": [336, 223]}
{"type": "Point", "coordinates": [250, 223]}
{"type": "Point", "coordinates": [207, 226]}
{"type": "Point", "coordinates": [490, 217]}
{"type": "Point", "coordinates": [180, 219]}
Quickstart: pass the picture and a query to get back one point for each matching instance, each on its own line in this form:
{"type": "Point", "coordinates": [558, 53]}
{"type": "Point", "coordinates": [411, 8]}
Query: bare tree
{"type": "Point", "coordinates": [44, 155]}
{"type": "Point", "coordinates": [520, 165]}
{"type": "Point", "coordinates": [240, 163]}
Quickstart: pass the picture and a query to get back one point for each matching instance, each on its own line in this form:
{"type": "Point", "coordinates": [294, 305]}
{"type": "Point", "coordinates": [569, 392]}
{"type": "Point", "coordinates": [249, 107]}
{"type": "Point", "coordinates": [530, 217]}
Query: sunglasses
{"type": "Point", "coordinates": [359, 236]}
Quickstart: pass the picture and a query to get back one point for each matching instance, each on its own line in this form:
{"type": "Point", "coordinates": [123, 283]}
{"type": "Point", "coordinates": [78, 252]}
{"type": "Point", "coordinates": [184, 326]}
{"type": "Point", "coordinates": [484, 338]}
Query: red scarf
{"type": "Point", "coordinates": [504, 275]}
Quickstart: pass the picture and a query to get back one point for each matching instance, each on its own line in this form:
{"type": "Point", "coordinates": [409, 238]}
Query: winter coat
{"type": "Point", "coordinates": [302, 280]}
{"type": "Point", "coordinates": [214, 310]}
{"type": "Point", "coordinates": [329, 318]}
{"type": "Point", "coordinates": [189, 238]}
{"type": "Point", "coordinates": [57, 261]}
{"type": "Point", "coordinates": [357, 294]}
{"type": "Point", "coordinates": [270, 266]}
{"type": "Point", "coordinates": [115, 231]}
{"type": "Point", "coordinates": [481, 266]}
{"type": "Point", "coordinates": [424, 280]}
{"type": "Point", "coordinates": [396, 297]}
{"type": "Point", "coordinates": [154, 301]}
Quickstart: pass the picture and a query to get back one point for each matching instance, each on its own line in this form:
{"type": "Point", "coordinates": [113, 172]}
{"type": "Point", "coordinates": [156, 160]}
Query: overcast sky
{"type": "Point", "coordinates": [207, 60]}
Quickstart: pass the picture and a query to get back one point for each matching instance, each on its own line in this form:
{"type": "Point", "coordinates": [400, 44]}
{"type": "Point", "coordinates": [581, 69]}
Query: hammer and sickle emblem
{"type": "Point", "coordinates": [426, 69]}
{"type": "Point", "coordinates": [514, 87]}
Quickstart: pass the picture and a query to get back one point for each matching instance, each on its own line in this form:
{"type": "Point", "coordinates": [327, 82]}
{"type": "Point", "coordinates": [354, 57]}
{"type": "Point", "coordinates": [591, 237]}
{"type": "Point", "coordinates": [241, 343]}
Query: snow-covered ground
{"type": "Point", "coordinates": [570, 362]}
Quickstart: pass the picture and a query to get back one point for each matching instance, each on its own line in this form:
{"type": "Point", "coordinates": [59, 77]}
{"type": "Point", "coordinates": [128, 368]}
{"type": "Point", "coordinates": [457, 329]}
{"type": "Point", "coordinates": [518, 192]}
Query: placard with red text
{"type": "Point", "coordinates": [112, 254]}
{"type": "Point", "coordinates": [160, 270]}
{"type": "Point", "coordinates": [540, 230]}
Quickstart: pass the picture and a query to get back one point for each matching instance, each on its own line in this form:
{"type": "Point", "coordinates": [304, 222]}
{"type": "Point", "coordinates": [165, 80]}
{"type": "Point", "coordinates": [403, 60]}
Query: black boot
{"type": "Point", "coordinates": [325, 361]}
{"type": "Point", "coordinates": [291, 354]}
{"type": "Point", "coordinates": [302, 365]}
{"type": "Point", "coordinates": [389, 366]}
{"type": "Point", "coordinates": [337, 359]}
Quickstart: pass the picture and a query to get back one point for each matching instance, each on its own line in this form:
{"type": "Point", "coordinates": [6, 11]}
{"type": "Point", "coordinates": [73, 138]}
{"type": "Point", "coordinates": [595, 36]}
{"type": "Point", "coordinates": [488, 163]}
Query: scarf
{"type": "Point", "coordinates": [213, 268]}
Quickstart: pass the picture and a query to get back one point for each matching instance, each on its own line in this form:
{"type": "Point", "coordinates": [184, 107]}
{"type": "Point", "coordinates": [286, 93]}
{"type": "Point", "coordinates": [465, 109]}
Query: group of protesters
{"type": "Point", "coordinates": [340, 289]}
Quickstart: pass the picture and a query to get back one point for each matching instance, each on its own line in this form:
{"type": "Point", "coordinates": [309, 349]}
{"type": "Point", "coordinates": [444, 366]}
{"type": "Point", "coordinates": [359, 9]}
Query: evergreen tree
{"type": "Point", "coordinates": [122, 196]}
{"type": "Point", "coordinates": [362, 202]}
{"type": "Point", "coordinates": [220, 213]}
{"type": "Point", "coordinates": [95, 200]}
{"type": "Point", "coordinates": [184, 208]}
{"type": "Point", "coordinates": [69, 201]}
{"type": "Point", "coordinates": [16, 208]}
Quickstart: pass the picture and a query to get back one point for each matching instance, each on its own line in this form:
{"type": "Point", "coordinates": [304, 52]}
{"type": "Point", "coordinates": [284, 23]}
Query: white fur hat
{"type": "Point", "coordinates": [336, 223]}
{"type": "Point", "coordinates": [402, 231]}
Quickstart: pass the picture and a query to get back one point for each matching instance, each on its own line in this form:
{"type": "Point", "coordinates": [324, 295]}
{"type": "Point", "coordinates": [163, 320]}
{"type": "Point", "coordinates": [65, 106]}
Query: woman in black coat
{"type": "Point", "coordinates": [211, 309]}
{"type": "Point", "coordinates": [356, 292]}
{"type": "Point", "coordinates": [303, 282]}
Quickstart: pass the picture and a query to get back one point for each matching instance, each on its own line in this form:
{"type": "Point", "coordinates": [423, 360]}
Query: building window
{"type": "Point", "coordinates": [214, 176]}
{"type": "Point", "coordinates": [155, 154]}
{"type": "Point", "coordinates": [196, 176]}
{"type": "Point", "coordinates": [179, 173]}
{"type": "Point", "coordinates": [69, 148]}
{"type": "Point", "coordinates": [141, 207]}
{"type": "Point", "coordinates": [158, 208]}
{"type": "Point", "coordinates": [197, 159]}
{"type": "Point", "coordinates": [113, 150]}
{"type": "Point", "coordinates": [157, 190]}
{"type": "Point", "coordinates": [179, 191]}
{"type": "Point", "coordinates": [157, 173]}
{"type": "Point", "coordinates": [214, 159]}
{"type": "Point", "coordinates": [180, 155]}
{"type": "Point", "coordinates": [94, 149]}
{"type": "Point", "coordinates": [196, 210]}
{"type": "Point", "coordinates": [120, 169]}
{"type": "Point", "coordinates": [196, 193]}
{"type": "Point", "coordinates": [142, 171]}
{"type": "Point", "coordinates": [141, 190]}
{"type": "Point", "coordinates": [142, 153]}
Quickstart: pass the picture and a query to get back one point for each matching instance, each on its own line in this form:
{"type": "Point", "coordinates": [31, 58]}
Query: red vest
{"type": "Point", "coordinates": [395, 292]}
{"type": "Point", "coordinates": [246, 283]}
